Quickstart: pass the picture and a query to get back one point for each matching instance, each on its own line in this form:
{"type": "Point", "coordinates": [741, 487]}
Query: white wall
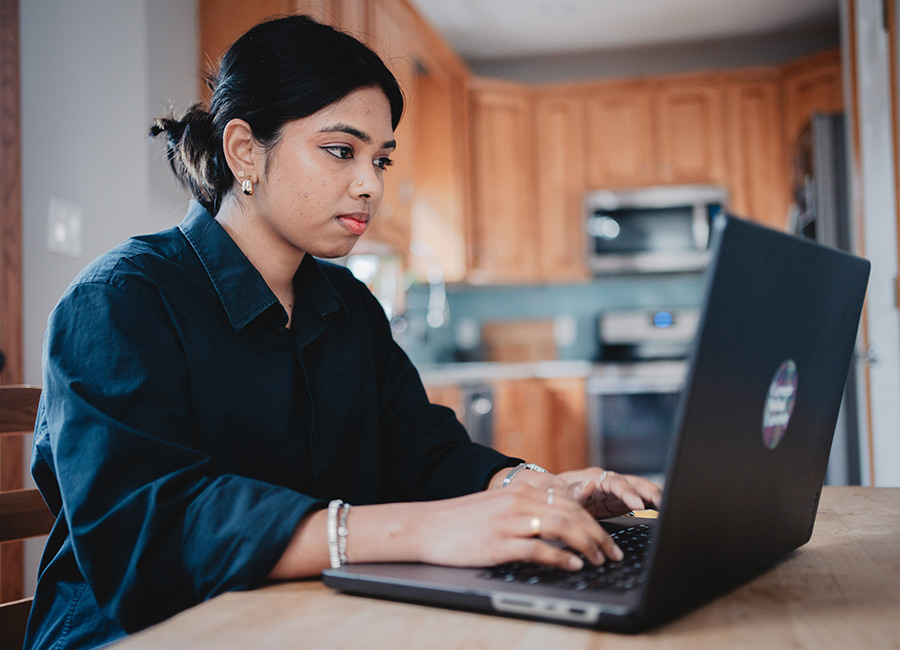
{"type": "Point", "coordinates": [94, 74]}
{"type": "Point", "coordinates": [874, 188]}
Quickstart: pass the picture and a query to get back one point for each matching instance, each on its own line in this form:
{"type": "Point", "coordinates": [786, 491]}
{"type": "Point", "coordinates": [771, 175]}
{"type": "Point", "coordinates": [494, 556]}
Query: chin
{"type": "Point", "coordinates": [333, 252]}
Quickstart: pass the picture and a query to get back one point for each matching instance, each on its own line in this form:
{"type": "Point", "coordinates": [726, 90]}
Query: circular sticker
{"type": "Point", "coordinates": [779, 404]}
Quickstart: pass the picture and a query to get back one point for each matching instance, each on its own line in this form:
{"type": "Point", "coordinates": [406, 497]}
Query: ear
{"type": "Point", "coordinates": [238, 144]}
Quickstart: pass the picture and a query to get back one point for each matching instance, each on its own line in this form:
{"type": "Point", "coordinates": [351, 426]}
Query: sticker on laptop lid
{"type": "Point", "coordinates": [779, 404]}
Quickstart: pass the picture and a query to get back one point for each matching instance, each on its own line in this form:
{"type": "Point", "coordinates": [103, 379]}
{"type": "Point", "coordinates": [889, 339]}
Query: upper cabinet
{"type": "Point", "coordinates": [560, 165]}
{"type": "Point", "coordinates": [503, 235]}
{"type": "Point", "coordinates": [756, 180]}
{"type": "Point", "coordinates": [691, 118]}
{"type": "Point", "coordinates": [620, 132]}
{"type": "Point", "coordinates": [734, 128]}
{"type": "Point", "coordinates": [655, 133]}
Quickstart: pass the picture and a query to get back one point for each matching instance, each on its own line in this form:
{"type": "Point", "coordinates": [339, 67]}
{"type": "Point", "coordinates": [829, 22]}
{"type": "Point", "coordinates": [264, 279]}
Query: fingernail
{"type": "Point", "coordinates": [575, 563]}
{"type": "Point", "coordinates": [617, 554]}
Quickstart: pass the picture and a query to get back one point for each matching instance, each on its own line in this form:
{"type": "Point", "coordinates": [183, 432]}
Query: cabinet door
{"type": "Point", "coordinates": [519, 420]}
{"type": "Point", "coordinates": [438, 206]}
{"type": "Point", "coordinates": [811, 85]}
{"type": "Point", "coordinates": [566, 426]}
{"type": "Point", "coordinates": [504, 223]}
{"type": "Point", "coordinates": [620, 138]}
{"type": "Point", "coordinates": [223, 21]}
{"type": "Point", "coordinates": [394, 38]}
{"type": "Point", "coordinates": [560, 161]}
{"type": "Point", "coordinates": [691, 133]}
{"type": "Point", "coordinates": [757, 187]}
{"type": "Point", "coordinates": [543, 421]}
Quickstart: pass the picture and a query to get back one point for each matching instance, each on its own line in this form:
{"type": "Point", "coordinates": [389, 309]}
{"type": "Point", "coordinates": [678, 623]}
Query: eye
{"type": "Point", "coordinates": [383, 163]}
{"type": "Point", "coordinates": [339, 151]}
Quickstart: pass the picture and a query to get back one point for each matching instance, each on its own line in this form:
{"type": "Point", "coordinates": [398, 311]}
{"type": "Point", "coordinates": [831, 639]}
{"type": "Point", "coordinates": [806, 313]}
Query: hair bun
{"type": "Point", "coordinates": [192, 150]}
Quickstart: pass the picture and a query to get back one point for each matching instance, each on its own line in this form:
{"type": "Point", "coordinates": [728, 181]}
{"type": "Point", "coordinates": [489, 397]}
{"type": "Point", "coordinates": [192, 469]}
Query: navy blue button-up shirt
{"type": "Point", "coordinates": [184, 431]}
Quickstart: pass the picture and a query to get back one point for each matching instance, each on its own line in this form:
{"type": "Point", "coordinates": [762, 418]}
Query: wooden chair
{"type": "Point", "coordinates": [23, 513]}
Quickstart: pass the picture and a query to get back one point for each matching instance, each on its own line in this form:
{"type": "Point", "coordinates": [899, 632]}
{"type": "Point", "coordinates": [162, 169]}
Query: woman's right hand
{"type": "Point", "coordinates": [519, 523]}
{"type": "Point", "coordinates": [513, 524]}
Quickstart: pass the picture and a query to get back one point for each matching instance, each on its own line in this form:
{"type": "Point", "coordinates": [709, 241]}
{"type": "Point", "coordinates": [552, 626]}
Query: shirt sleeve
{"type": "Point", "coordinates": [155, 529]}
{"type": "Point", "coordinates": [427, 452]}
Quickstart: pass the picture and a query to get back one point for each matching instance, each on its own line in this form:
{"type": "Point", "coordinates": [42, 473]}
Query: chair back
{"type": "Point", "coordinates": [23, 513]}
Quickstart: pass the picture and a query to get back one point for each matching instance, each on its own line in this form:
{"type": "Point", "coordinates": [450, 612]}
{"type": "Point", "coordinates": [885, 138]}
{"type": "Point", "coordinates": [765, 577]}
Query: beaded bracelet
{"type": "Point", "coordinates": [337, 532]}
{"type": "Point", "coordinates": [342, 532]}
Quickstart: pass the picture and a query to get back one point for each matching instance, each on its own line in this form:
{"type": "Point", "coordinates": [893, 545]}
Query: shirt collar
{"type": "Point", "coordinates": [241, 289]}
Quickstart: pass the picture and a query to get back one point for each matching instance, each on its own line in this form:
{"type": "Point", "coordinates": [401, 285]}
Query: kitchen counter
{"type": "Point", "coordinates": [481, 371]}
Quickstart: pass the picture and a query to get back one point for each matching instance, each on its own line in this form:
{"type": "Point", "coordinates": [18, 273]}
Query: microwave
{"type": "Point", "coordinates": [662, 229]}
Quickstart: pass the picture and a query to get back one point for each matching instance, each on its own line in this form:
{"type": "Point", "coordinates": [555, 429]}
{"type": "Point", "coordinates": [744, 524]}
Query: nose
{"type": "Point", "coordinates": [367, 185]}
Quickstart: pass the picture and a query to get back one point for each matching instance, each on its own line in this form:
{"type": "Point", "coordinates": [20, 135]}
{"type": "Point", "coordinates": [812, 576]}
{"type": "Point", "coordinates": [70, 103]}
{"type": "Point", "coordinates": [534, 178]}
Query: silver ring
{"type": "Point", "coordinates": [603, 477]}
{"type": "Point", "coordinates": [549, 496]}
{"type": "Point", "coordinates": [535, 526]}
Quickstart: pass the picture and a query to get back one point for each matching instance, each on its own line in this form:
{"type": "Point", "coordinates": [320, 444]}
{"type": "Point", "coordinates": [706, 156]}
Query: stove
{"type": "Point", "coordinates": [634, 389]}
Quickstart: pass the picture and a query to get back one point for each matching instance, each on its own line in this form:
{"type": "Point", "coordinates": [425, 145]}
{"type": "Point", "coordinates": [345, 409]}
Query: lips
{"type": "Point", "coordinates": [355, 222]}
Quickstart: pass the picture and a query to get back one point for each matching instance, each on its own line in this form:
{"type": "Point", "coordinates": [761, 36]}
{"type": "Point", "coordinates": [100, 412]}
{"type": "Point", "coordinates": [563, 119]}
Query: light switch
{"type": "Point", "coordinates": [64, 223]}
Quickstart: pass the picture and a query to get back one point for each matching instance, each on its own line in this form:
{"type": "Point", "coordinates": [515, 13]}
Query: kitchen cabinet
{"type": "Point", "coordinates": [393, 37]}
{"type": "Point", "coordinates": [691, 131]}
{"type": "Point", "coordinates": [620, 135]}
{"type": "Point", "coordinates": [560, 170]}
{"type": "Point", "coordinates": [527, 184]}
{"type": "Point", "coordinates": [757, 176]}
{"type": "Point", "coordinates": [655, 133]}
{"type": "Point", "coordinates": [540, 419]}
{"type": "Point", "coordinates": [543, 421]}
{"type": "Point", "coordinates": [810, 85]}
{"type": "Point", "coordinates": [734, 128]}
{"type": "Point", "coordinates": [504, 230]}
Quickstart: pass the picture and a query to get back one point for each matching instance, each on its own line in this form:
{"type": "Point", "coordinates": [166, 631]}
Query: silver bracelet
{"type": "Point", "coordinates": [518, 468]}
{"type": "Point", "coordinates": [332, 529]}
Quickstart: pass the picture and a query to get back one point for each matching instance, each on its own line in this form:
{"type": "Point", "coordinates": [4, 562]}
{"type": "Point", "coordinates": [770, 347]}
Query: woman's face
{"type": "Point", "coordinates": [323, 180]}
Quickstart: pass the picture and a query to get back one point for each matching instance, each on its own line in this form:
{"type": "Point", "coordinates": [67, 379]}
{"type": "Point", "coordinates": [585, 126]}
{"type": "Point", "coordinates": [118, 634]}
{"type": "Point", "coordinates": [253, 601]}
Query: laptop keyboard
{"type": "Point", "coordinates": [620, 576]}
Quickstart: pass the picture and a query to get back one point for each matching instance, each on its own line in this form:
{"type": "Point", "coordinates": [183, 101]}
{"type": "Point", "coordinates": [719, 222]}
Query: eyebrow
{"type": "Point", "coordinates": [356, 133]}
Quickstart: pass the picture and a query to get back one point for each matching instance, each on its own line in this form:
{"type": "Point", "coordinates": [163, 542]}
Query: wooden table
{"type": "Point", "coordinates": [841, 590]}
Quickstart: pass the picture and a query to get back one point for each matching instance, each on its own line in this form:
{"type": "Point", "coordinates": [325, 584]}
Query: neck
{"type": "Point", "coordinates": [276, 261]}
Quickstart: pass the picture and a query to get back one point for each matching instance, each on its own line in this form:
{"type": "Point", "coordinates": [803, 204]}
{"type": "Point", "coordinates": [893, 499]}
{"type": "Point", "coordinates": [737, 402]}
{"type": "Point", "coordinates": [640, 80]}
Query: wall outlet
{"type": "Point", "coordinates": [64, 224]}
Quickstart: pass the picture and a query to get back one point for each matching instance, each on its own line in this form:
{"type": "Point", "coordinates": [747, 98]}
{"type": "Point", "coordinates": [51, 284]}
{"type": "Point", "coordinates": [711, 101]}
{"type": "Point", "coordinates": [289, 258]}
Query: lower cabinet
{"type": "Point", "coordinates": [542, 420]}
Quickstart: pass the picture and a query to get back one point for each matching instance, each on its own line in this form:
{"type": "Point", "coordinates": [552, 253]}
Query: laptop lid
{"type": "Point", "coordinates": [748, 459]}
{"type": "Point", "coordinates": [757, 415]}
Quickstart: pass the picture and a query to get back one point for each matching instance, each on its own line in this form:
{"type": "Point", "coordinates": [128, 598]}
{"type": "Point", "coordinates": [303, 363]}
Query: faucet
{"type": "Point", "coordinates": [437, 289]}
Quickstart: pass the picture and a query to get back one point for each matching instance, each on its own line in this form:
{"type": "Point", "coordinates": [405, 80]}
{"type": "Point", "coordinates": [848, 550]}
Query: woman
{"type": "Point", "coordinates": [214, 396]}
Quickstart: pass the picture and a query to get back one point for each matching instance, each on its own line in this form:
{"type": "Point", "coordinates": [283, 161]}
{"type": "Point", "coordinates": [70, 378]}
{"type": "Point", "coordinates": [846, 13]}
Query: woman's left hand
{"type": "Point", "coordinates": [601, 492]}
{"type": "Point", "coordinates": [608, 494]}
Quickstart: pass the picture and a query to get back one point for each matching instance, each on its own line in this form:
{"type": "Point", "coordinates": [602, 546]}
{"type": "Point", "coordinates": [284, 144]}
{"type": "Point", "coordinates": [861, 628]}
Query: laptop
{"type": "Point", "coordinates": [753, 434]}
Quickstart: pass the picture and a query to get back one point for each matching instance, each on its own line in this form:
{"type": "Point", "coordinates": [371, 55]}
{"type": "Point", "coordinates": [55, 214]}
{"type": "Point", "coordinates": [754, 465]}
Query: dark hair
{"type": "Point", "coordinates": [278, 71]}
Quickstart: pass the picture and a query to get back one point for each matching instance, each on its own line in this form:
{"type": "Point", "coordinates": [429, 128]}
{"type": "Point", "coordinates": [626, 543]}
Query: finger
{"type": "Point", "coordinates": [578, 531]}
{"type": "Point", "coordinates": [581, 492]}
{"type": "Point", "coordinates": [649, 492]}
{"type": "Point", "coordinates": [620, 487]}
{"type": "Point", "coordinates": [539, 552]}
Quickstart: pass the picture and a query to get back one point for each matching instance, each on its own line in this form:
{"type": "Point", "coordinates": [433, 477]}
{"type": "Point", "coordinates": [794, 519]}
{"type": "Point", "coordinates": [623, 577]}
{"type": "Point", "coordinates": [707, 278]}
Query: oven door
{"type": "Point", "coordinates": [631, 415]}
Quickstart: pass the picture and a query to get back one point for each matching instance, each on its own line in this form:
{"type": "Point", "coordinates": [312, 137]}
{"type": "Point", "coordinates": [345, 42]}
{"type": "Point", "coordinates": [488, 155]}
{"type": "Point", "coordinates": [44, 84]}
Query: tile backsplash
{"type": "Point", "coordinates": [573, 308]}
